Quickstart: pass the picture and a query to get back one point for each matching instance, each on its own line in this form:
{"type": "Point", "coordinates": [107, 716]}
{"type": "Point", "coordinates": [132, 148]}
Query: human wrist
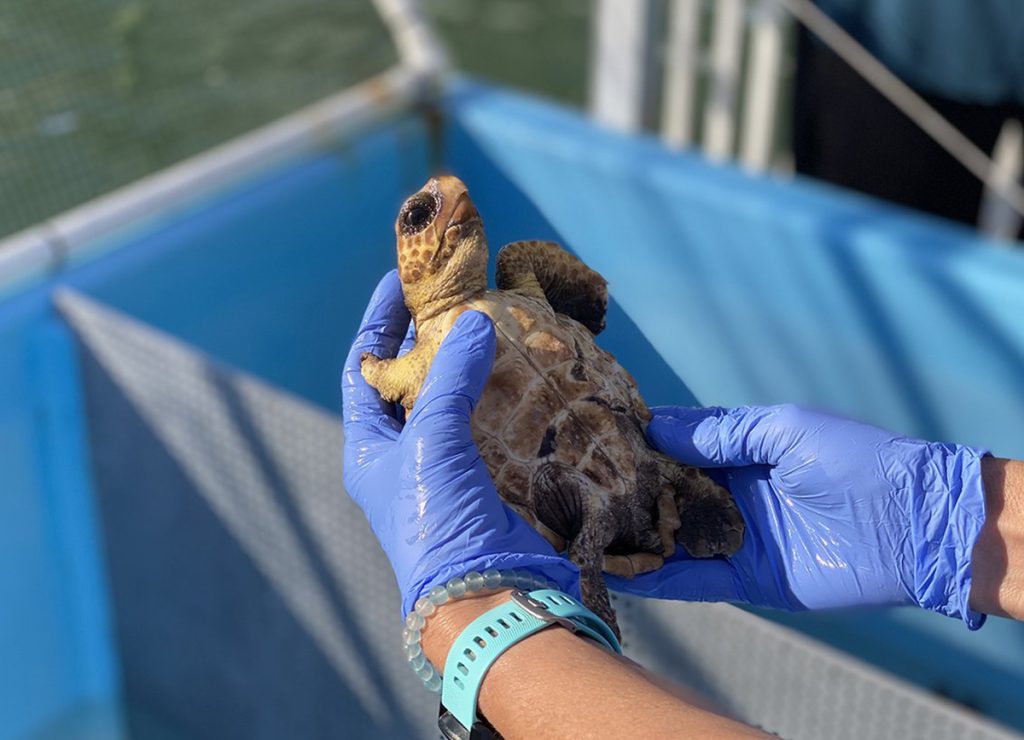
{"type": "Point", "coordinates": [998, 557]}
{"type": "Point", "coordinates": [449, 621]}
{"type": "Point", "coordinates": [466, 586]}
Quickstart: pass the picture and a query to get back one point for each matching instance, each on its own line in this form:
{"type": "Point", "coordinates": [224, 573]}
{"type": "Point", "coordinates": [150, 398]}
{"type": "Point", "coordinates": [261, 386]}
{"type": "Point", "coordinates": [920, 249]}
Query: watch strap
{"type": "Point", "coordinates": [494, 632]}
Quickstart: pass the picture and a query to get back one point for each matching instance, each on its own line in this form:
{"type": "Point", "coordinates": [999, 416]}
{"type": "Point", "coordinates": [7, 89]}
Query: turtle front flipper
{"type": "Point", "coordinates": [545, 270]}
{"type": "Point", "coordinates": [398, 379]}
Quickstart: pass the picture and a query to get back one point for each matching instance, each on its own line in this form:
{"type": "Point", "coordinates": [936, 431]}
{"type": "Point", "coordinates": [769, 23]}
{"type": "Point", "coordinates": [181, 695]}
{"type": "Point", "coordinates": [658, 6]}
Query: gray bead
{"type": "Point", "coordinates": [492, 578]}
{"type": "Point", "coordinates": [474, 581]}
{"type": "Point", "coordinates": [456, 588]}
{"type": "Point", "coordinates": [425, 607]}
{"type": "Point", "coordinates": [508, 578]}
{"type": "Point", "coordinates": [410, 637]}
{"type": "Point", "coordinates": [438, 595]}
{"type": "Point", "coordinates": [434, 683]}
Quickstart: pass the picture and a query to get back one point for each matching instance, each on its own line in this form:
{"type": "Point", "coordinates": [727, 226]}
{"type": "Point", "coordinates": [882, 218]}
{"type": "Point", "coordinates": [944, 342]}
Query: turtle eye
{"type": "Point", "coordinates": [417, 213]}
{"type": "Point", "coordinates": [417, 217]}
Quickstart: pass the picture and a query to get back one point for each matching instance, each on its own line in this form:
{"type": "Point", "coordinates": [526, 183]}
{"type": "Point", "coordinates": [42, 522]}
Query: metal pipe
{"type": "Point", "coordinates": [764, 77]}
{"type": "Point", "coordinates": [622, 65]}
{"type": "Point", "coordinates": [726, 57]}
{"type": "Point", "coordinates": [419, 47]}
{"type": "Point", "coordinates": [682, 60]}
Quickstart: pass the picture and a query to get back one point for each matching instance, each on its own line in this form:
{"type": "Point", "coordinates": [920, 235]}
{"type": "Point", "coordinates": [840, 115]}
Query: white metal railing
{"type": "Point", "coordinates": [418, 45]}
{"type": "Point", "coordinates": [622, 81]}
{"type": "Point", "coordinates": [705, 86]}
{"type": "Point", "coordinates": [765, 71]}
{"type": "Point", "coordinates": [710, 100]}
{"type": "Point", "coordinates": [681, 63]}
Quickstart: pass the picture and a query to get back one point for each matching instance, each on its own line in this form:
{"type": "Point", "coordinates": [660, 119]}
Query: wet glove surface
{"type": "Point", "coordinates": [422, 484]}
{"type": "Point", "coordinates": [838, 513]}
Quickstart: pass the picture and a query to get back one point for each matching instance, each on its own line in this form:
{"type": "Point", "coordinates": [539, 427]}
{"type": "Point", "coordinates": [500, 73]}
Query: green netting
{"type": "Point", "coordinates": [536, 45]}
{"type": "Point", "coordinates": [95, 94]}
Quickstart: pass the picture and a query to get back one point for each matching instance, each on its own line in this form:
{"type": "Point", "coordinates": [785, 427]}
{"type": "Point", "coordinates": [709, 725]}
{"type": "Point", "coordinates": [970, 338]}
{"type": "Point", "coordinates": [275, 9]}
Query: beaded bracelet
{"type": "Point", "coordinates": [472, 583]}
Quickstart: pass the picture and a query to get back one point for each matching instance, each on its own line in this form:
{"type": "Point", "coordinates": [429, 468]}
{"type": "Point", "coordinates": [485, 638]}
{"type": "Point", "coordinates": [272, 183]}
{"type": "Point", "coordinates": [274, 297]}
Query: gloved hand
{"type": "Point", "coordinates": [838, 513]}
{"type": "Point", "coordinates": [422, 484]}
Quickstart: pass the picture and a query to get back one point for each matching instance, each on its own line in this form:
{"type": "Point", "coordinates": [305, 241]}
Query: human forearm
{"type": "Point", "coordinates": [997, 562]}
{"type": "Point", "coordinates": [555, 684]}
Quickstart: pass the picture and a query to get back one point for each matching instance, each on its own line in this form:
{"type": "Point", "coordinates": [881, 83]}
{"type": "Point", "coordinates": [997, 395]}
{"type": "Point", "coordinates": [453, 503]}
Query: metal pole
{"type": "Point", "coordinates": [996, 218]}
{"type": "Point", "coordinates": [682, 60]}
{"type": "Point", "coordinates": [764, 76]}
{"type": "Point", "coordinates": [418, 45]}
{"type": "Point", "coordinates": [622, 63]}
{"type": "Point", "coordinates": [726, 54]}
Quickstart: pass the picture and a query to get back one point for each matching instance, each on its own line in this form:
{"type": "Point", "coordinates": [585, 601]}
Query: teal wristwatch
{"type": "Point", "coordinates": [490, 635]}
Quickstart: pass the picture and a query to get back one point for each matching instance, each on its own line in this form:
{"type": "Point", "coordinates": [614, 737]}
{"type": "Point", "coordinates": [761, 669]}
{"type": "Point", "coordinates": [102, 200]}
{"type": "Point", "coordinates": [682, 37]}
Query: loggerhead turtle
{"type": "Point", "coordinates": [560, 423]}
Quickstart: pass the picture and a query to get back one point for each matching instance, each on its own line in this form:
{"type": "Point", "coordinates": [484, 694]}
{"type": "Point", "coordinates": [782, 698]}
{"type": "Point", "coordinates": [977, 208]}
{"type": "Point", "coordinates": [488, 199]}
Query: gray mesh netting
{"type": "Point", "coordinates": [252, 601]}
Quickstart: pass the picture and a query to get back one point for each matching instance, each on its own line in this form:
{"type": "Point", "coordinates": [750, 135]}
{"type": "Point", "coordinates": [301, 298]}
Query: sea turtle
{"type": "Point", "coordinates": [560, 423]}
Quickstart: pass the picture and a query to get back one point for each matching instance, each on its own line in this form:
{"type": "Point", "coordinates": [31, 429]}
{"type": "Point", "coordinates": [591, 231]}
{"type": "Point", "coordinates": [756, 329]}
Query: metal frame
{"type": "Point", "coordinates": [623, 68]}
{"type": "Point", "coordinates": [681, 64]}
{"type": "Point", "coordinates": [754, 31]}
{"type": "Point", "coordinates": [418, 45]}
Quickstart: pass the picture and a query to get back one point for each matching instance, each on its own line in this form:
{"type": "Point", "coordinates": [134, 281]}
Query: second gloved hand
{"type": "Point", "coordinates": [838, 513]}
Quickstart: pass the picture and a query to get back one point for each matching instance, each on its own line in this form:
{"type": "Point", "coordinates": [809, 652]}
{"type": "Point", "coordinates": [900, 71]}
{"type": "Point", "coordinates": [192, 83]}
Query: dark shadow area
{"type": "Point", "coordinates": [208, 647]}
{"type": "Point", "coordinates": [328, 580]}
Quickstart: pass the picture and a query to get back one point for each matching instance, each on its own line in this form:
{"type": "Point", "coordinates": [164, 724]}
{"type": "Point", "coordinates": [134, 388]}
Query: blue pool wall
{"type": "Point", "coordinates": [756, 292]}
{"type": "Point", "coordinates": [726, 289]}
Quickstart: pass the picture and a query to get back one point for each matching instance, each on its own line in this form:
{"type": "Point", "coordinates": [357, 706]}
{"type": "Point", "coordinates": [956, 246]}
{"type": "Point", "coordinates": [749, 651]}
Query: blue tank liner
{"type": "Point", "coordinates": [726, 288]}
{"type": "Point", "coordinates": [759, 291]}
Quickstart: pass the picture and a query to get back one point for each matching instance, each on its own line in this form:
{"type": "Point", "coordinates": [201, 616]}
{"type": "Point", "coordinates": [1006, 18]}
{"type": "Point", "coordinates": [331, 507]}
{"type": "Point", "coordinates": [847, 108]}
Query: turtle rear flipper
{"type": "Point", "coordinates": [560, 495]}
{"type": "Point", "coordinates": [545, 270]}
{"type": "Point", "coordinates": [710, 523]}
{"type": "Point", "coordinates": [589, 558]}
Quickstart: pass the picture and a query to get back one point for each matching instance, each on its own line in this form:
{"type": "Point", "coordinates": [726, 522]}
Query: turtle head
{"type": "Point", "coordinates": [442, 251]}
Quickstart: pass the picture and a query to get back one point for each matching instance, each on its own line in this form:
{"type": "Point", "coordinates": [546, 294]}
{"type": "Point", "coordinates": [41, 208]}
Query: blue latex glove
{"type": "Point", "coordinates": [838, 513]}
{"type": "Point", "coordinates": [422, 484]}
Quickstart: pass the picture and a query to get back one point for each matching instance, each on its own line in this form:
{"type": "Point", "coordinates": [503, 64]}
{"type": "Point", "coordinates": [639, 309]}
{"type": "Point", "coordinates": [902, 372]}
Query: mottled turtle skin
{"type": "Point", "coordinates": [560, 423]}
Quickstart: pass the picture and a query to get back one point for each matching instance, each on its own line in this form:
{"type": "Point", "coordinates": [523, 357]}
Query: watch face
{"type": "Point", "coordinates": [452, 729]}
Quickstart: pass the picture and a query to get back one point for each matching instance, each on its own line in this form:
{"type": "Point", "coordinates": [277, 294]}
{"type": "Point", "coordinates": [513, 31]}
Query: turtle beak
{"type": "Point", "coordinates": [464, 212]}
